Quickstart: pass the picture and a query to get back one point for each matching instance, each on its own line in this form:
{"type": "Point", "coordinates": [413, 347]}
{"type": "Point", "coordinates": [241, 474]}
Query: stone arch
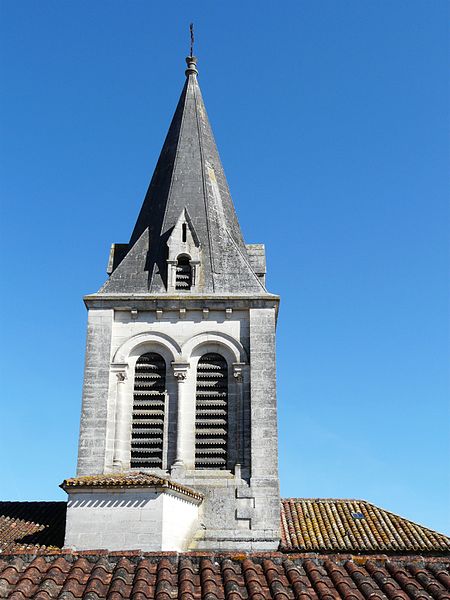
{"type": "Point", "coordinates": [214, 341]}
{"type": "Point", "coordinates": [147, 342]}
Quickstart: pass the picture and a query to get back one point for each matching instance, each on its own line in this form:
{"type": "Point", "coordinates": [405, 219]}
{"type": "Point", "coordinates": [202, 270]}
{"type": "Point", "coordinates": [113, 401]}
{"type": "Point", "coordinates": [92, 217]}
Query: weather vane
{"type": "Point", "coordinates": [191, 29]}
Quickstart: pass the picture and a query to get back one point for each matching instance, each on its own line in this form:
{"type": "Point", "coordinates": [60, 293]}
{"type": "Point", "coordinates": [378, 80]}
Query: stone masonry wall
{"type": "Point", "coordinates": [241, 507]}
{"type": "Point", "coordinates": [264, 426]}
{"type": "Point", "coordinates": [129, 519]}
{"type": "Point", "coordinates": [91, 448]}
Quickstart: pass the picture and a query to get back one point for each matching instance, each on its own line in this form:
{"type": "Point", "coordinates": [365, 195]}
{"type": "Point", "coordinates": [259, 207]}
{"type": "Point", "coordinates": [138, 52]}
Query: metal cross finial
{"type": "Point", "coordinates": [191, 29]}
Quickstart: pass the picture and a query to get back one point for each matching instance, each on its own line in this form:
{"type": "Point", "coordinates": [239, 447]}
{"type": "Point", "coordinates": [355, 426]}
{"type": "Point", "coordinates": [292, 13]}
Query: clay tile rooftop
{"type": "Point", "coordinates": [325, 526]}
{"type": "Point", "coordinates": [32, 525]}
{"type": "Point", "coordinates": [195, 576]}
{"type": "Point", "coordinates": [129, 480]}
{"type": "Point", "coordinates": [337, 525]}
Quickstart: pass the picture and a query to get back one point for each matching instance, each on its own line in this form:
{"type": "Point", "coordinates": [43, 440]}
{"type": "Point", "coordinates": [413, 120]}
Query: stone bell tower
{"type": "Point", "coordinates": [179, 396]}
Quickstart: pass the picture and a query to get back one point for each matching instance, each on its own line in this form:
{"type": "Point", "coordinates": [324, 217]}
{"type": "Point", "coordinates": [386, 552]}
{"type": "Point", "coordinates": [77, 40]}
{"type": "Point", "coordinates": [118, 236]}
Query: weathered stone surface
{"type": "Point", "coordinates": [92, 439]}
{"type": "Point", "coordinates": [129, 519]}
{"type": "Point", "coordinates": [227, 311]}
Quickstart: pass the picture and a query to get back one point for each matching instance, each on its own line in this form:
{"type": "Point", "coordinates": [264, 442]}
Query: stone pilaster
{"type": "Point", "coordinates": [92, 440]}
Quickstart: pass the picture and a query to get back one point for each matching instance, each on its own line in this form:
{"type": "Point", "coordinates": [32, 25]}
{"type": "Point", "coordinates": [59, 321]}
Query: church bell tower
{"type": "Point", "coordinates": [178, 437]}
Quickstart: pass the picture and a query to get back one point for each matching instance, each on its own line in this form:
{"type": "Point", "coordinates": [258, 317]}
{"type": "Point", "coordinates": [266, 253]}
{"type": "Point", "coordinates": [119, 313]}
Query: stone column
{"type": "Point", "coordinates": [180, 373]}
{"type": "Point", "coordinates": [195, 265]}
{"type": "Point", "coordinates": [238, 374]}
{"type": "Point", "coordinates": [121, 420]}
{"type": "Point", "coordinates": [171, 274]}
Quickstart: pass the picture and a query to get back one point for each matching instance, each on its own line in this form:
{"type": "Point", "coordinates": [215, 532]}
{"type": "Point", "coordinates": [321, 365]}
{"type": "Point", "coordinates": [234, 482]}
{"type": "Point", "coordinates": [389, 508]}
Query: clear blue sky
{"type": "Point", "coordinates": [332, 119]}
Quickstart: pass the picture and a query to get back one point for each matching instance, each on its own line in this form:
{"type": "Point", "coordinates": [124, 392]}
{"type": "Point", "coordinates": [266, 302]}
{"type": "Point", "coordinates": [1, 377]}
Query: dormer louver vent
{"type": "Point", "coordinates": [147, 433]}
{"type": "Point", "coordinates": [211, 418]}
{"type": "Point", "coordinates": [183, 276]}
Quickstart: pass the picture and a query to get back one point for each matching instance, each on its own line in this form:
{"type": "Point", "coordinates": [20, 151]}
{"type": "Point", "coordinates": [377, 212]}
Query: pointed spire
{"type": "Point", "coordinates": [188, 176]}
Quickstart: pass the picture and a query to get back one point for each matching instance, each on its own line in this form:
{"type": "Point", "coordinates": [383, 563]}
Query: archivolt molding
{"type": "Point", "coordinates": [210, 339]}
{"type": "Point", "coordinates": [152, 339]}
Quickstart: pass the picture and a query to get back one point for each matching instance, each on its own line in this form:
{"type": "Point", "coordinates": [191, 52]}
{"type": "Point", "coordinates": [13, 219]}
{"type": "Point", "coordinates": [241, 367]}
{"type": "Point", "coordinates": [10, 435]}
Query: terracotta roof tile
{"type": "Point", "coordinates": [334, 525]}
{"type": "Point", "coordinates": [307, 525]}
{"type": "Point", "coordinates": [130, 479]}
{"type": "Point", "coordinates": [31, 524]}
{"type": "Point", "coordinates": [197, 576]}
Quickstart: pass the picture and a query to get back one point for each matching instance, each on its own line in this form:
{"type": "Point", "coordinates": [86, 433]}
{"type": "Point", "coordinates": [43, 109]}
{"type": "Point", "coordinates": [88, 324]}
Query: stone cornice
{"type": "Point", "coordinates": [199, 302]}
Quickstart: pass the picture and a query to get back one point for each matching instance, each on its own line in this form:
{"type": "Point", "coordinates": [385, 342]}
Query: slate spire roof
{"type": "Point", "coordinates": [188, 176]}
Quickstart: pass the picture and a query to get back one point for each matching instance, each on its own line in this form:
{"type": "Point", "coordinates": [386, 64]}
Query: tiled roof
{"type": "Point", "coordinates": [268, 576]}
{"type": "Point", "coordinates": [31, 524]}
{"type": "Point", "coordinates": [131, 479]}
{"type": "Point", "coordinates": [321, 525]}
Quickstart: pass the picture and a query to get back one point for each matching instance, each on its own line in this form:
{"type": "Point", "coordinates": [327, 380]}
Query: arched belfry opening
{"type": "Point", "coordinates": [149, 409]}
{"type": "Point", "coordinates": [183, 276]}
{"type": "Point", "coordinates": [211, 412]}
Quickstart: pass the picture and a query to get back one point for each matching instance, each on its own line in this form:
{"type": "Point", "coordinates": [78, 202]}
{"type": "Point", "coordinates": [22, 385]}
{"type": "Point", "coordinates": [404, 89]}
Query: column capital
{"type": "Point", "coordinates": [238, 371]}
{"type": "Point", "coordinates": [120, 370]}
{"type": "Point", "coordinates": [180, 370]}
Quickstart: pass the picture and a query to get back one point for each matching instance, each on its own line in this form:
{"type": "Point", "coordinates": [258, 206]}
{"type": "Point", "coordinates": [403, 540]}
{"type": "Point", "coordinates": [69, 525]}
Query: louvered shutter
{"type": "Point", "coordinates": [211, 418]}
{"type": "Point", "coordinates": [183, 275]}
{"type": "Point", "coordinates": [147, 433]}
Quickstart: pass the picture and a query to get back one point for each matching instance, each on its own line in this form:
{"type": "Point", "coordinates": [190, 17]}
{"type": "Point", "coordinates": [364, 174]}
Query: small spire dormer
{"type": "Point", "coordinates": [184, 261]}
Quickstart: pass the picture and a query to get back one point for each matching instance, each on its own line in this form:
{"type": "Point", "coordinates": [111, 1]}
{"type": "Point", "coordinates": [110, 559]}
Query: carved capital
{"type": "Point", "coordinates": [238, 372]}
{"type": "Point", "coordinates": [120, 370]}
{"type": "Point", "coordinates": [180, 371]}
